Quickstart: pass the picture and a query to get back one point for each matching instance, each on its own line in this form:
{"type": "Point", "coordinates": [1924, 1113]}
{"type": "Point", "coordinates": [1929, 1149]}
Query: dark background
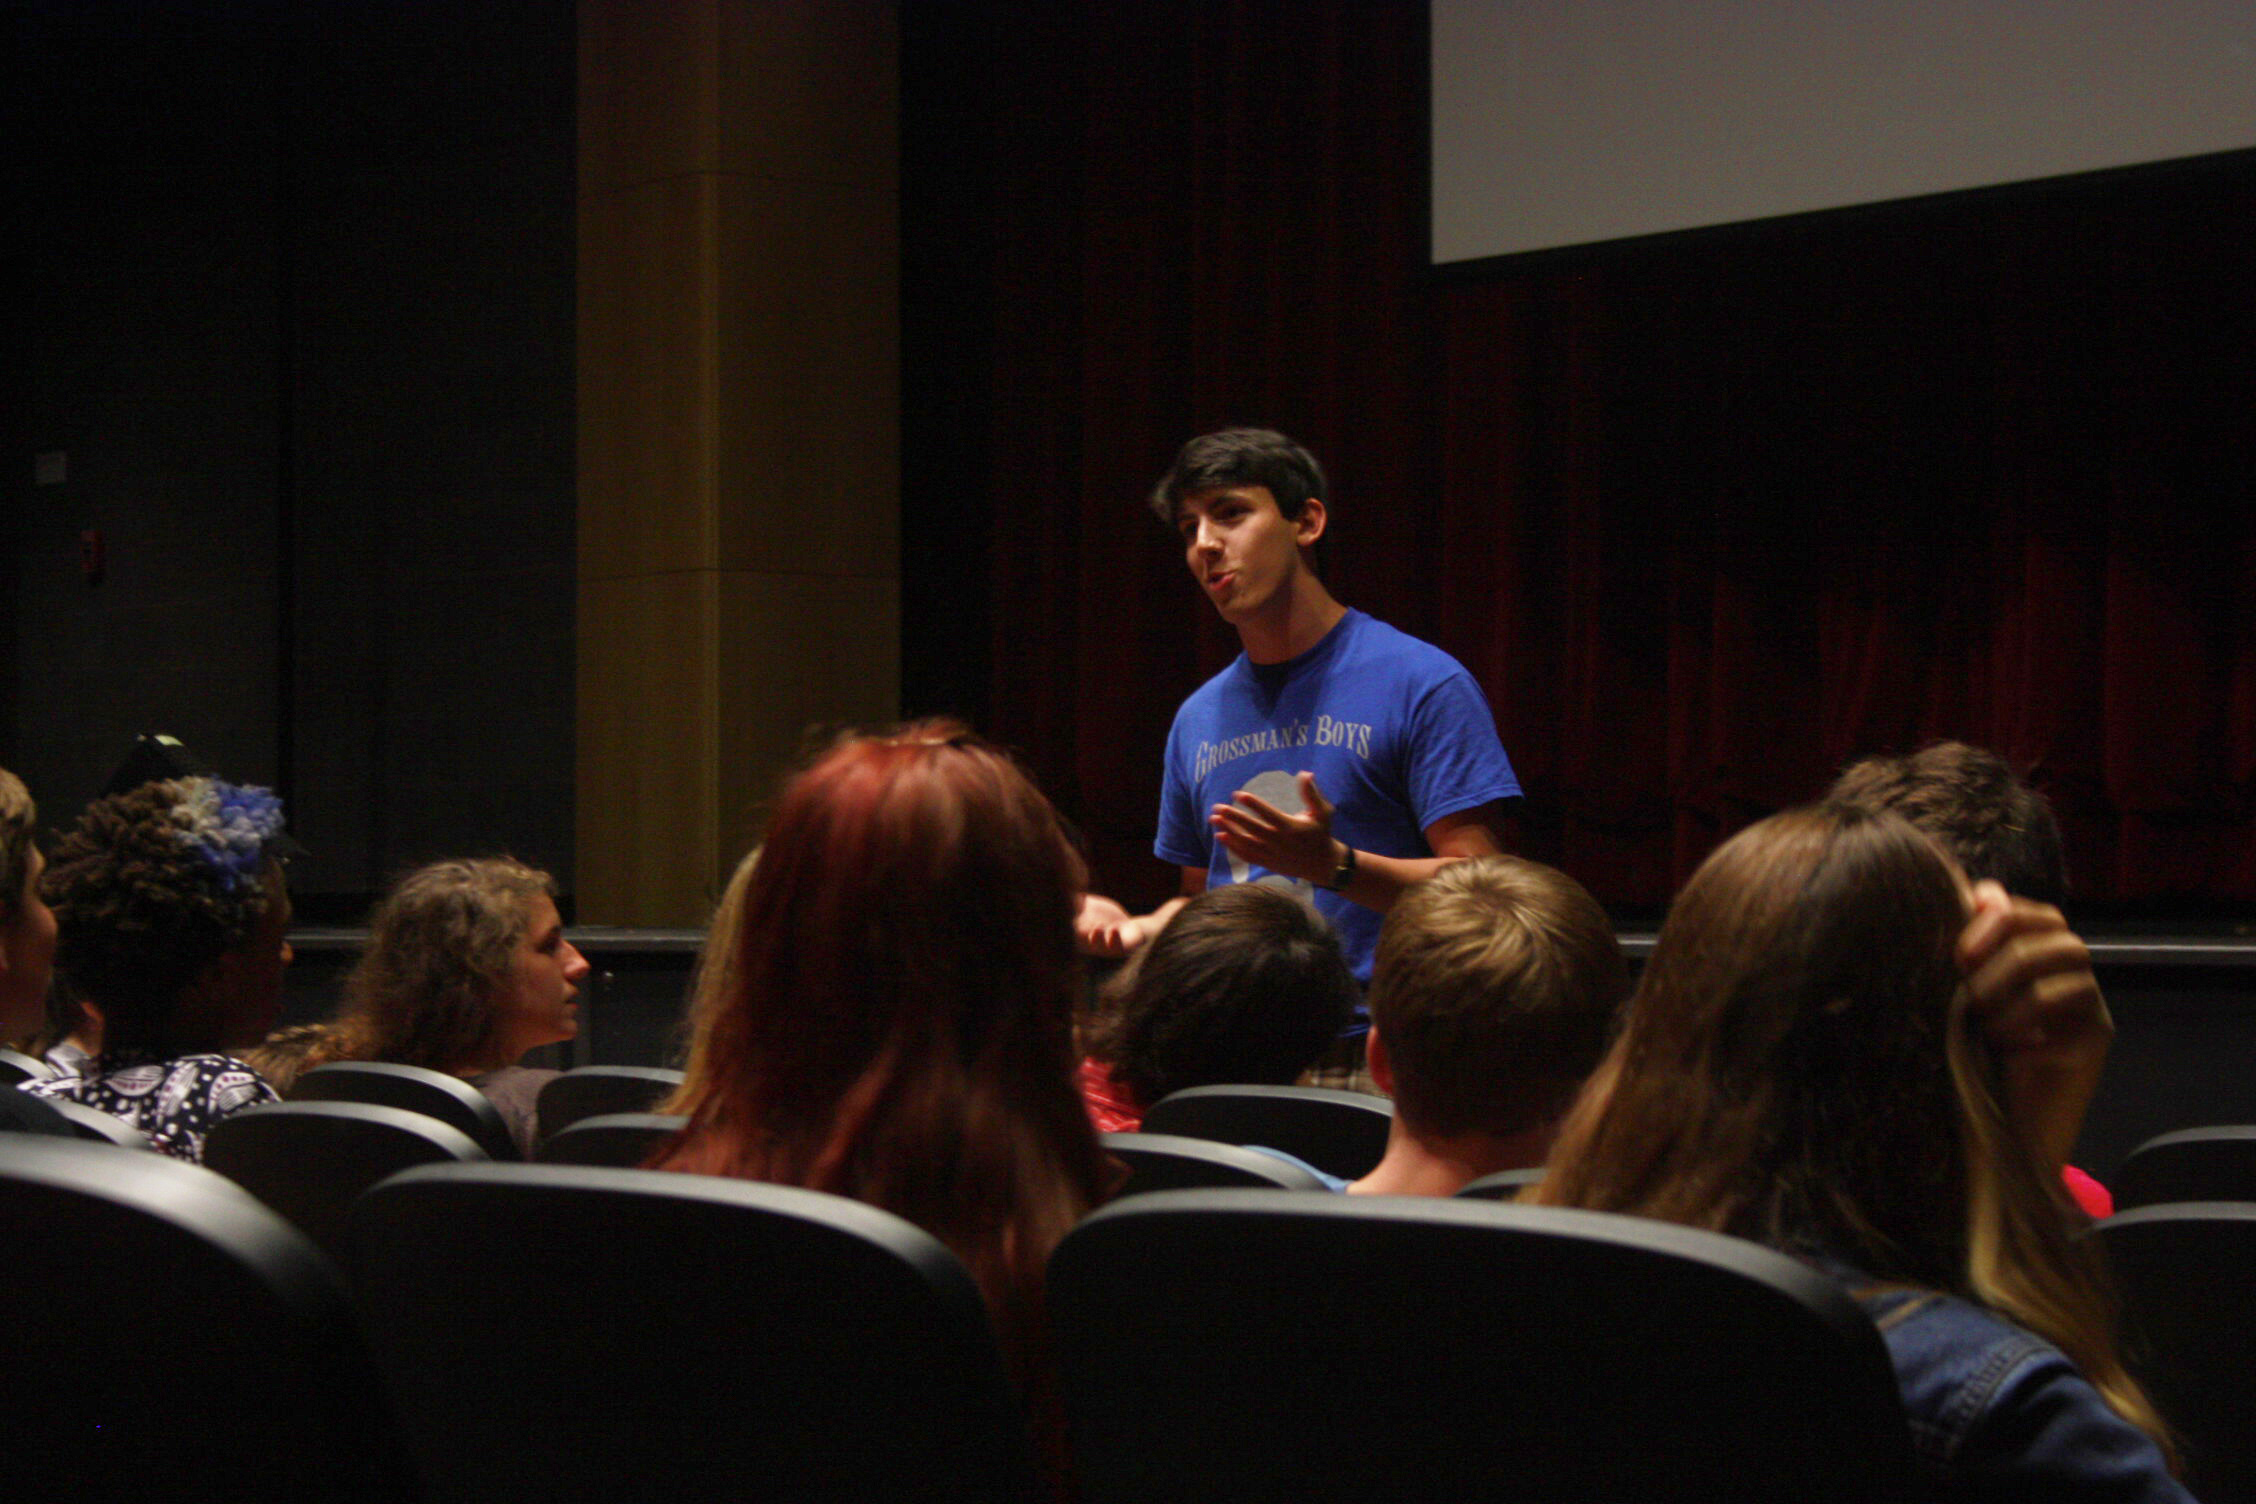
{"type": "Point", "coordinates": [293, 288]}
{"type": "Point", "coordinates": [292, 284]}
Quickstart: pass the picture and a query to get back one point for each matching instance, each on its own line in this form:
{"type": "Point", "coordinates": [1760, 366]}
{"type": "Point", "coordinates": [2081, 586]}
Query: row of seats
{"type": "Point", "coordinates": [571, 1333]}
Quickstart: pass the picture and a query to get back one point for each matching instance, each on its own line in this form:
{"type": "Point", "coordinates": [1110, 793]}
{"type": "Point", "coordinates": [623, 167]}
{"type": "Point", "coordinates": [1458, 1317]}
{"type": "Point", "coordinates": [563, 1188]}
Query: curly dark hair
{"type": "Point", "coordinates": [1245, 986]}
{"type": "Point", "coordinates": [145, 898]}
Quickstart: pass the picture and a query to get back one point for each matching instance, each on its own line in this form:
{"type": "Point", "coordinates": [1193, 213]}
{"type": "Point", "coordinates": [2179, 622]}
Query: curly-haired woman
{"type": "Point", "coordinates": [172, 919]}
{"type": "Point", "coordinates": [467, 968]}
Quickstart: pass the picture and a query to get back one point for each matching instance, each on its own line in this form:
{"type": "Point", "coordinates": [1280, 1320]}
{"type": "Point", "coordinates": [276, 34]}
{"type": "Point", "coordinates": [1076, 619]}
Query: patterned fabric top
{"type": "Point", "coordinates": [175, 1102]}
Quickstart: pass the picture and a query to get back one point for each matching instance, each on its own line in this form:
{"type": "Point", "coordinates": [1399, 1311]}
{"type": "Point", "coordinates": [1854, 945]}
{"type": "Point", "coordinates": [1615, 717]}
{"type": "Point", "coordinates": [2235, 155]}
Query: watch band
{"type": "Point", "coordinates": [1343, 874]}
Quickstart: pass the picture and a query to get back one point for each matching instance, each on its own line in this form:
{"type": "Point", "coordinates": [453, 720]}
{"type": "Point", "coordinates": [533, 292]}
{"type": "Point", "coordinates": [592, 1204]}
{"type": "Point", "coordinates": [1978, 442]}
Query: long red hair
{"type": "Point", "coordinates": [888, 1014]}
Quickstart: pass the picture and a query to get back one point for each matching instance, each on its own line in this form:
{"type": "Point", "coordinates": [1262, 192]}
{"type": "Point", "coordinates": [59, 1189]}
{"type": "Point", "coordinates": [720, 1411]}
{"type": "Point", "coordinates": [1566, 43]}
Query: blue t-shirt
{"type": "Point", "coordinates": [1396, 732]}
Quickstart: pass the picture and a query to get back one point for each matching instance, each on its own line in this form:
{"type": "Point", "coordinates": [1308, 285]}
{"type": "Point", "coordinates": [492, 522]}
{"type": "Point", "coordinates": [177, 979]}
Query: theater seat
{"type": "Point", "coordinates": [16, 1066]}
{"type": "Point", "coordinates": [1501, 1186]}
{"type": "Point", "coordinates": [620, 1140]}
{"type": "Point", "coordinates": [310, 1161]}
{"type": "Point", "coordinates": [2189, 1328]}
{"type": "Point", "coordinates": [411, 1088]}
{"type": "Point", "coordinates": [1342, 1133]}
{"type": "Point", "coordinates": [2193, 1164]}
{"type": "Point", "coordinates": [597, 1090]}
{"type": "Point", "coordinates": [169, 1337]}
{"type": "Point", "coordinates": [584, 1336]}
{"type": "Point", "coordinates": [1167, 1162]}
{"type": "Point", "coordinates": [1252, 1345]}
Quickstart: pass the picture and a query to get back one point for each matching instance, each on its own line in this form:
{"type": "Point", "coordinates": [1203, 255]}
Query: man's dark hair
{"type": "Point", "coordinates": [1242, 457]}
{"type": "Point", "coordinates": [1970, 800]}
{"type": "Point", "coordinates": [1245, 986]}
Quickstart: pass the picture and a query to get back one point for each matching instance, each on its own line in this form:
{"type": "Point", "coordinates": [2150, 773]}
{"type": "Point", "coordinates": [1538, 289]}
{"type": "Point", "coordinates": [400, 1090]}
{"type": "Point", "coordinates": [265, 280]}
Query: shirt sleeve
{"type": "Point", "coordinates": [1183, 835]}
{"type": "Point", "coordinates": [1456, 761]}
{"type": "Point", "coordinates": [2048, 1435]}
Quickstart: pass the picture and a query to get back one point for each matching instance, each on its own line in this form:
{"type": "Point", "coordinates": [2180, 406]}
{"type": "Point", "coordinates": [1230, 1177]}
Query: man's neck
{"type": "Point", "coordinates": [1442, 1167]}
{"type": "Point", "coordinates": [1298, 621]}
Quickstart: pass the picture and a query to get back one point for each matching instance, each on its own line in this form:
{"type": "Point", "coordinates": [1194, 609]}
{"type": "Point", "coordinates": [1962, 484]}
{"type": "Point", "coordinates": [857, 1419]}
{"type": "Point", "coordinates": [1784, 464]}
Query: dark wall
{"type": "Point", "coordinates": [296, 296]}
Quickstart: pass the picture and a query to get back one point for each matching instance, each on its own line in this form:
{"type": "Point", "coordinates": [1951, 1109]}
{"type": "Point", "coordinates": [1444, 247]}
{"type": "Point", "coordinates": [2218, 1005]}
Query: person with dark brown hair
{"type": "Point", "coordinates": [891, 1019]}
{"type": "Point", "coordinates": [1843, 1050]}
{"type": "Point", "coordinates": [173, 920]}
{"type": "Point", "coordinates": [1994, 826]}
{"type": "Point", "coordinates": [1972, 801]}
{"type": "Point", "coordinates": [1496, 989]}
{"type": "Point", "coordinates": [1336, 755]}
{"type": "Point", "coordinates": [1244, 986]}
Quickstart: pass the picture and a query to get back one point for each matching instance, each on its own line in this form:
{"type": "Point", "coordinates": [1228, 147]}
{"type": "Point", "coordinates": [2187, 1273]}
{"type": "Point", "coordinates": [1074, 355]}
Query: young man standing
{"type": "Point", "coordinates": [1336, 756]}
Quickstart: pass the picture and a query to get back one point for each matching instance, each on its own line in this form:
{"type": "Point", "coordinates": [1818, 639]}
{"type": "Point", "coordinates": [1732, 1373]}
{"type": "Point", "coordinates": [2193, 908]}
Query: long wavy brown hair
{"type": "Point", "coordinates": [890, 1016]}
{"type": "Point", "coordinates": [1797, 1068]}
{"type": "Point", "coordinates": [440, 949]}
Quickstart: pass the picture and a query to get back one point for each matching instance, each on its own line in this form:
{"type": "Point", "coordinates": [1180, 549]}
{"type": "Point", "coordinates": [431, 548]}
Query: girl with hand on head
{"type": "Point", "coordinates": [1841, 1049]}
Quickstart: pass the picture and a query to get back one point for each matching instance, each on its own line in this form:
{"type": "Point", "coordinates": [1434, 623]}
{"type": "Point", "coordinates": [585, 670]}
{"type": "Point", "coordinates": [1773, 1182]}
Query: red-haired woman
{"type": "Point", "coordinates": [889, 1016]}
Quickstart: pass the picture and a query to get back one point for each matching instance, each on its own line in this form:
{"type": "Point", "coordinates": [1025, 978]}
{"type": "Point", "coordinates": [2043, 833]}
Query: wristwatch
{"type": "Point", "coordinates": [1344, 873]}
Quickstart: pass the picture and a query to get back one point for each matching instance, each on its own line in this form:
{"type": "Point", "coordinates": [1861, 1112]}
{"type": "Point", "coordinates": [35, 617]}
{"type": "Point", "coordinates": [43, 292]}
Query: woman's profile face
{"type": "Point", "coordinates": [27, 953]}
{"type": "Point", "coordinates": [535, 1005]}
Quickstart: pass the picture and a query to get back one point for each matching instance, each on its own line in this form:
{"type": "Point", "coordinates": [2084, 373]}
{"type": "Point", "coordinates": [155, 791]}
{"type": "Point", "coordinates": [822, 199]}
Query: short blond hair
{"type": "Point", "coordinates": [18, 815]}
{"type": "Point", "coordinates": [1494, 993]}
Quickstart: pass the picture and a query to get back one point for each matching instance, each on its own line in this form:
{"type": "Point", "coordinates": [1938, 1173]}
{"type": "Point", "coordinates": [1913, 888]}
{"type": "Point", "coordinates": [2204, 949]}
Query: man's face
{"type": "Point", "coordinates": [1241, 549]}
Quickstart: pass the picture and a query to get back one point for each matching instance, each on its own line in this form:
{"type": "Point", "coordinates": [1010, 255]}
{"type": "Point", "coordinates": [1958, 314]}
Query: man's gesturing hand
{"type": "Point", "coordinates": [1295, 845]}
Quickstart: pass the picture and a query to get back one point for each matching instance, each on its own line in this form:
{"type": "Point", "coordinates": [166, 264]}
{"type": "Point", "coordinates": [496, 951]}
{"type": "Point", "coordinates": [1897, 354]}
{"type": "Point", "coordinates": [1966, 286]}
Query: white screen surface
{"type": "Point", "coordinates": [1562, 122]}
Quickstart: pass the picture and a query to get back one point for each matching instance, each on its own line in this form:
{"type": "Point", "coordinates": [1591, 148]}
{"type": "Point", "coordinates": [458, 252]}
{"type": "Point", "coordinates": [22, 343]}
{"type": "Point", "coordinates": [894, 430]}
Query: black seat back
{"type": "Point", "coordinates": [1342, 1133]}
{"type": "Point", "coordinates": [720, 1339]}
{"type": "Point", "coordinates": [1232, 1345]}
{"type": "Point", "coordinates": [1501, 1186]}
{"type": "Point", "coordinates": [2189, 1330]}
{"type": "Point", "coordinates": [601, 1090]}
{"type": "Point", "coordinates": [1167, 1162]}
{"type": "Point", "coordinates": [2193, 1164]}
{"type": "Point", "coordinates": [310, 1161]}
{"type": "Point", "coordinates": [411, 1088]}
{"type": "Point", "coordinates": [170, 1335]}
{"type": "Point", "coordinates": [620, 1140]}
{"type": "Point", "coordinates": [16, 1066]}
{"type": "Point", "coordinates": [97, 1126]}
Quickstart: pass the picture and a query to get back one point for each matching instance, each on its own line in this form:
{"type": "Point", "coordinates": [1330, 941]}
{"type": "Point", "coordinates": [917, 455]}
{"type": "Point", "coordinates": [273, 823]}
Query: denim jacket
{"type": "Point", "coordinates": [1999, 1414]}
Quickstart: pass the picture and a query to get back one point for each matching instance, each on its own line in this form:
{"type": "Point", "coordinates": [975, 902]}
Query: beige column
{"type": "Point", "coordinates": [739, 538]}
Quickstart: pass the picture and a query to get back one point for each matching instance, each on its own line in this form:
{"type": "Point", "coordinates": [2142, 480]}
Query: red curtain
{"type": "Point", "coordinates": [1706, 516]}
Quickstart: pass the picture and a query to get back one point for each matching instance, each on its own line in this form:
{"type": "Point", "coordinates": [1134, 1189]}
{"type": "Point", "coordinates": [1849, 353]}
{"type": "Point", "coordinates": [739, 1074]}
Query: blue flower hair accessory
{"type": "Point", "coordinates": [228, 826]}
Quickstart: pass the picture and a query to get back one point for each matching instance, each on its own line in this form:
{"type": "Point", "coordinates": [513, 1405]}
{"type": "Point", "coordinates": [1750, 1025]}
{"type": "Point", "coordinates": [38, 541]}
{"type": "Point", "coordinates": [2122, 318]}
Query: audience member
{"type": "Point", "coordinates": [1494, 995]}
{"type": "Point", "coordinates": [1825, 1054]}
{"type": "Point", "coordinates": [1972, 801]}
{"type": "Point", "coordinates": [71, 1034]}
{"type": "Point", "coordinates": [1997, 827]}
{"type": "Point", "coordinates": [27, 948]}
{"type": "Point", "coordinates": [1244, 985]}
{"type": "Point", "coordinates": [467, 968]}
{"type": "Point", "coordinates": [173, 920]}
{"type": "Point", "coordinates": [892, 1018]}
